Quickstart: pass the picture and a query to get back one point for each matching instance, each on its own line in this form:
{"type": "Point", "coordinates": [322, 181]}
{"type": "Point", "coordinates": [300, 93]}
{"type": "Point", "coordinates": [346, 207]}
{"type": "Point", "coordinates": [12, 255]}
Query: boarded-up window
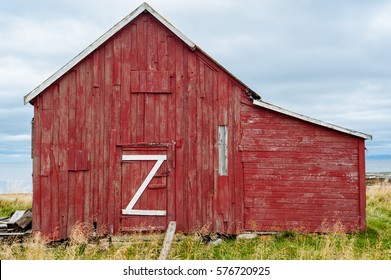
{"type": "Point", "coordinates": [223, 150]}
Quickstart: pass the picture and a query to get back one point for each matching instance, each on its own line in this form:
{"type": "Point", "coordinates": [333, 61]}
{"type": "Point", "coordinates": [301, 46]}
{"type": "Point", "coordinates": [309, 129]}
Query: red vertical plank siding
{"type": "Point", "coordinates": [129, 60]}
{"type": "Point", "coordinates": [208, 96]}
{"type": "Point", "coordinates": [100, 144]}
{"type": "Point", "coordinates": [144, 87]}
{"type": "Point", "coordinates": [37, 166]}
{"type": "Point", "coordinates": [72, 94]}
{"type": "Point", "coordinates": [89, 136]}
{"type": "Point", "coordinates": [80, 119]}
{"type": "Point", "coordinates": [223, 190]}
{"type": "Point", "coordinates": [362, 183]}
{"type": "Point", "coordinates": [63, 136]}
{"type": "Point", "coordinates": [179, 138]}
{"type": "Point", "coordinates": [55, 214]}
{"type": "Point", "coordinates": [191, 106]}
{"type": "Point", "coordinates": [297, 176]}
{"type": "Point", "coordinates": [237, 95]}
{"type": "Point", "coordinates": [111, 217]}
{"type": "Point", "coordinates": [46, 142]}
{"type": "Point", "coordinates": [199, 134]}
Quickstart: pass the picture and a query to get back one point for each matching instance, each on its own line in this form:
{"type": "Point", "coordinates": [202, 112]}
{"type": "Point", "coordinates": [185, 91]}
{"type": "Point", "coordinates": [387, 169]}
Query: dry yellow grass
{"type": "Point", "coordinates": [374, 243]}
{"type": "Point", "coordinates": [25, 198]}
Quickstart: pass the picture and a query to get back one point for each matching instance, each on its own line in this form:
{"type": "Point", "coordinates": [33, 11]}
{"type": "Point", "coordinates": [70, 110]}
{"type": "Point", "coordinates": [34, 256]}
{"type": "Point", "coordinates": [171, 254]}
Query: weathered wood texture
{"type": "Point", "coordinates": [300, 176]}
{"type": "Point", "coordinates": [145, 92]}
{"type": "Point", "coordinates": [142, 86]}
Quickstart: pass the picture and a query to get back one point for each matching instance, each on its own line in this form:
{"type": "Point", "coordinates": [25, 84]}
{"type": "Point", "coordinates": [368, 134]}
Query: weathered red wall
{"type": "Point", "coordinates": [145, 92]}
{"type": "Point", "coordinates": [143, 86]}
{"type": "Point", "coordinates": [300, 176]}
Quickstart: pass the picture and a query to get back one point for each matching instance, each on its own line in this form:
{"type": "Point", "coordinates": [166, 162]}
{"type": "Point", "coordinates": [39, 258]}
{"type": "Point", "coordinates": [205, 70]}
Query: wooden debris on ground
{"type": "Point", "coordinates": [18, 224]}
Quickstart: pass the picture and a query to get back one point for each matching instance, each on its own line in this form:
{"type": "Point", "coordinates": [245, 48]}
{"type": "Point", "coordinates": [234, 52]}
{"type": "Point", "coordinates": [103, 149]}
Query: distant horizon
{"type": "Point", "coordinates": [380, 156]}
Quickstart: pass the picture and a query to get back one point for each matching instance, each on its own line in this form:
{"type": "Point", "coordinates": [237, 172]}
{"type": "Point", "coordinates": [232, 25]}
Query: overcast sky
{"type": "Point", "coordinates": [327, 59]}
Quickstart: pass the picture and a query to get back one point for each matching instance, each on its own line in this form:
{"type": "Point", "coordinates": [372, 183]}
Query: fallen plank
{"type": "Point", "coordinates": [6, 234]}
{"type": "Point", "coordinates": [15, 217]}
{"type": "Point", "coordinates": [25, 220]}
{"type": "Point", "coordinates": [168, 241]}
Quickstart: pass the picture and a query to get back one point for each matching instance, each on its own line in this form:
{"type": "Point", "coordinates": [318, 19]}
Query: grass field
{"type": "Point", "coordinates": [374, 243]}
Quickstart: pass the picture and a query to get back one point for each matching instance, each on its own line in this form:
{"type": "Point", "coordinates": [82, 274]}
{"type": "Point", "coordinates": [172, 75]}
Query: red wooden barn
{"type": "Point", "coordinates": [143, 128]}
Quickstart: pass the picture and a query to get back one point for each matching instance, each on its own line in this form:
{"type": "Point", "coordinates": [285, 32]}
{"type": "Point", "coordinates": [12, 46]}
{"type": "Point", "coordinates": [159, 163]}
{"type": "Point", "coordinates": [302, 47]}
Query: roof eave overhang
{"type": "Point", "coordinates": [311, 120]}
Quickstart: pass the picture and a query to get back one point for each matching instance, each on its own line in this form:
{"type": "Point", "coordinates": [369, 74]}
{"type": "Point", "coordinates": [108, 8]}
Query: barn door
{"type": "Point", "coordinates": [144, 187]}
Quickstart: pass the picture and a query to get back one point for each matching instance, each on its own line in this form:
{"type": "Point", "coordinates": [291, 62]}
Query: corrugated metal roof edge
{"type": "Point", "coordinates": [311, 120]}
{"type": "Point", "coordinates": [106, 36]}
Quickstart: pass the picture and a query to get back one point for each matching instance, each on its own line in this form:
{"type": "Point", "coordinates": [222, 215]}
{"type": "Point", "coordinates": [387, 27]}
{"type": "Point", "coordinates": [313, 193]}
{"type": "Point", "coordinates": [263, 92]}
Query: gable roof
{"type": "Point", "coordinates": [146, 8]}
{"type": "Point", "coordinates": [101, 40]}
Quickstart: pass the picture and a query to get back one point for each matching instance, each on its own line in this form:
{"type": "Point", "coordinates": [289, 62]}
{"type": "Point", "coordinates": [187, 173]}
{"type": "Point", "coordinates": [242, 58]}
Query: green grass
{"type": "Point", "coordinates": [9, 203]}
{"type": "Point", "coordinates": [373, 243]}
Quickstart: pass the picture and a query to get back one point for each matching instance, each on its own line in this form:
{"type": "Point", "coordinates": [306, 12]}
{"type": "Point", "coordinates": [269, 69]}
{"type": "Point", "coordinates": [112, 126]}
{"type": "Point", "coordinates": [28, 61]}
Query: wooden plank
{"type": "Point", "coordinates": [81, 155]}
{"type": "Point", "coordinates": [25, 220]}
{"type": "Point", "coordinates": [115, 152]}
{"type": "Point", "coordinates": [209, 123]}
{"type": "Point", "coordinates": [169, 237]}
{"type": "Point", "coordinates": [37, 165]}
{"type": "Point", "coordinates": [17, 215]}
{"type": "Point", "coordinates": [72, 93]}
{"type": "Point", "coordinates": [129, 59]}
{"type": "Point", "coordinates": [237, 95]}
{"type": "Point", "coordinates": [162, 48]}
{"type": "Point", "coordinates": [55, 215]}
{"type": "Point", "coordinates": [117, 57]}
{"type": "Point", "coordinates": [181, 183]}
{"type": "Point", "coordinates": [46, 164]}
{"type": "Point", "coordinates": [107, 124]}
{"type": "Point", "coordinates": [138, 127]}
{"type": "Point", "coordinates": [100, 136]}
{"type": "Point", "coordinates": [190, 109]}
{"type": "Point", "coordinates": [222, 96]}
{"type": "Point", "coordinates": [171, 136]}
{"type": "Point", "coordinates": [149, 119]}
{"type": "Point", "coordinates": [327, 186]}
{"type": "Point", "coordinates": [142, 36]}
{"type": "Point", "coordinates": [89, 140]}
{"type": "Point", "coordinates": [96, 70]}
{"type": "Point", "coordinates": [151, 44]}
{"type": "Point", "coordinates": [112, 178]}
{"type": "Point", "coordinates": [63, 186]}
{"type": "Point", "coordinates": [134, 45]}
{"type": "Point", "coordinates": [199, 202]}
{"type": "Point", "coordinates": [362, 184]}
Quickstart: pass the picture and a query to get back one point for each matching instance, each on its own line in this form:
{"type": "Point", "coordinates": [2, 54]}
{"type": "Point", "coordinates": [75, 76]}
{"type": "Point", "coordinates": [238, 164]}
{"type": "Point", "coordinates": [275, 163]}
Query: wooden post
{"type": "Point", "coordinates": [168, 241]}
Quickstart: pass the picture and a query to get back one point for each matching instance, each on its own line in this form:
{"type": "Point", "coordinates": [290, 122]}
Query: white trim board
{"type": "Point", "coordinates": [311, 120]}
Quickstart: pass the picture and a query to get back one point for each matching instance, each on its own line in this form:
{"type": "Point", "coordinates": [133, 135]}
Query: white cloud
{"type": "Point", "coordinates": [18, 74]}
{"type": "Point", "coordinates": [39, 36]}
{"type": "Point", "coordinates": [16, 138]}
{"type": "Point", "coordinates": [380, 22]}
